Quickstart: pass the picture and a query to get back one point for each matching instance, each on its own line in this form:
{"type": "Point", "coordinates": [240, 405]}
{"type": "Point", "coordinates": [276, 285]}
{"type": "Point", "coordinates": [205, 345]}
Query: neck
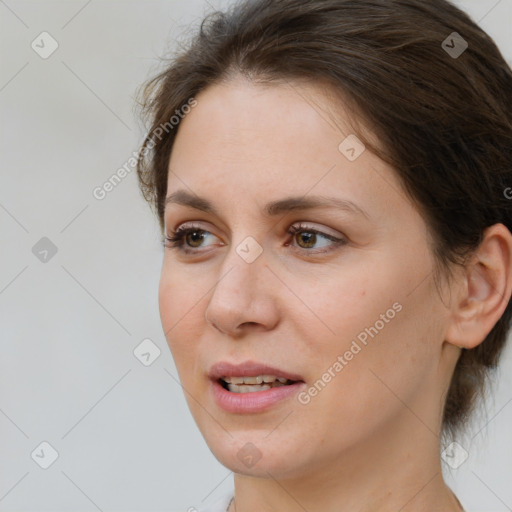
{"type": "Point", "coordinates": [395, 470]}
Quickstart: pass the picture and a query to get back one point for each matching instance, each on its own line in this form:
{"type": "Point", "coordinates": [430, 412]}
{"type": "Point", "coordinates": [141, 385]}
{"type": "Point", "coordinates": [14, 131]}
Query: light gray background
{"type": "Point", "coordinates": [123, 432]}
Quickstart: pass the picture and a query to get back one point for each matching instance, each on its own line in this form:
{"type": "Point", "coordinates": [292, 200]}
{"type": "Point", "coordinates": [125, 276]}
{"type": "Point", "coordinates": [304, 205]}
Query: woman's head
{"type": "Point", "coordinates": [374, 102]}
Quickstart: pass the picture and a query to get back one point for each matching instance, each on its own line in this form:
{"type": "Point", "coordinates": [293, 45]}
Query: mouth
{"type": "Point", "coordinates": [253, 384]}
{"type": "Point", "coordinates": [251, 387]}
{"type": "Point", "coordinates": [251, 375]}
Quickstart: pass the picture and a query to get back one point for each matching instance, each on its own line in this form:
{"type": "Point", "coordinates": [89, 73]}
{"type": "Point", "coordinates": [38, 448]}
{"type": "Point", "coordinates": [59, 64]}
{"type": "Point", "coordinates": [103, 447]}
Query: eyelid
{"type": "Point", "coordinates": [306, 225]}
{"type": "Point", "coordinates": [177, 238]}
{"type": "Point", "coordinates": [303, 225]}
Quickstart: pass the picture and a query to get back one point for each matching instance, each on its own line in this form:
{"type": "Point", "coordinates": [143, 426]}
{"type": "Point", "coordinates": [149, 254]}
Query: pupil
{"type": "Point", "coordinates": [309, 238]}
{"type": "Point", "coordinates": [194, 234]}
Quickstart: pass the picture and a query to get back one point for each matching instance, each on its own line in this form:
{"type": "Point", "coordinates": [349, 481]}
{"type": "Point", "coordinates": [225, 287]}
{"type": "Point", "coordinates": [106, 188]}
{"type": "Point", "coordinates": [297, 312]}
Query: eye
{"type": "Point", "coordinates": [309, 237]}
{"type": "Point", "coordinates": [181, 235]}
{"type": "Point", "coordinates": [187, 238]}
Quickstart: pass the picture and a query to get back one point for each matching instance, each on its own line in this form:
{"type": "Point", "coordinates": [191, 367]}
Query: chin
{"type": "Point", "coordinates": [253, 455]}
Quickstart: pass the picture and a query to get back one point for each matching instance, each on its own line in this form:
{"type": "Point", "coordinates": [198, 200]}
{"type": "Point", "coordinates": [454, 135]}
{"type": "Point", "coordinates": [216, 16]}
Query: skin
{"type": "Point", "coordinates": [370, 439]}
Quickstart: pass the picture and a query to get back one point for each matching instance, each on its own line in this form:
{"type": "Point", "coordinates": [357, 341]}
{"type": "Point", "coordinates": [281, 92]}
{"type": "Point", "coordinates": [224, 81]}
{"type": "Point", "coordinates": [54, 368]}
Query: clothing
{"type": "Point", "coordinates": [220, 505]}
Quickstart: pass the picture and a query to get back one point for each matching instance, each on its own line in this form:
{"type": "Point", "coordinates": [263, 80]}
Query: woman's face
{"type": "Point", "coordinates": [347, 306]}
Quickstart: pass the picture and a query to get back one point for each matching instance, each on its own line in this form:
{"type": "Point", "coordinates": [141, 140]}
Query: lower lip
{"type": "Point", "coordinates": [255, 401]}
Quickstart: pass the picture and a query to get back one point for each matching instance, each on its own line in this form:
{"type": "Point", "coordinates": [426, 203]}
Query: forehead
{"type": "Point", "coordinates": [251, 140]}
{"type": "Point", "coordinates": [265, 127]}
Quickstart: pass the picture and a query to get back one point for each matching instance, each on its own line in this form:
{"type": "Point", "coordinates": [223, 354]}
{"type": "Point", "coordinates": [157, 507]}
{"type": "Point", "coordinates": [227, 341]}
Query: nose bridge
{"type": "Point", "coordinates": [243, 267]}
{"type": "Point", "coordinates": [241, 293]}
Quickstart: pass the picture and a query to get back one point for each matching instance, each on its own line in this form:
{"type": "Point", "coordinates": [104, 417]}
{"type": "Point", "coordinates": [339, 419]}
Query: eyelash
{"type": "Point", "coordinates": [176, 240]}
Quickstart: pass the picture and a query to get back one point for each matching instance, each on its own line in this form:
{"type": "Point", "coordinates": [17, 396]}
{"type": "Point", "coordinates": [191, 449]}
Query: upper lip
{"type": "Point", "coordinates": [248, 369]}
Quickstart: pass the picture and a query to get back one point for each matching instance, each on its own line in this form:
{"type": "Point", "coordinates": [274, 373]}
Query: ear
{"type": "Point", "coordinates": [486, 287]}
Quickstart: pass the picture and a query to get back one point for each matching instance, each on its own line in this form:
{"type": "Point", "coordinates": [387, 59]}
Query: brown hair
{"type": "Point", "coordinates": [443, 119]}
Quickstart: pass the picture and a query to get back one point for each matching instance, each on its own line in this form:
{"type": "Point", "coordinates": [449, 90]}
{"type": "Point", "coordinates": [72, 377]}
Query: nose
{"type": "Point", "coordinates": [245, 296]}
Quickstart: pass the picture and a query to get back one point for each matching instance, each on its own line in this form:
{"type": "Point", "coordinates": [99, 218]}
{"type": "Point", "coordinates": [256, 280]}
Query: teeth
{"type": "Point", "coordinates": [236, 388]}
{"type": "Point", "coordinates": [254, 380]}
{"type": "Point", "coordinates": [252, 384]}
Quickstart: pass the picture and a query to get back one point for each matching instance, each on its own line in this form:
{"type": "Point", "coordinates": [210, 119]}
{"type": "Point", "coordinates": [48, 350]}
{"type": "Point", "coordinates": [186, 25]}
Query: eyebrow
{"type": "Point", "coordinates": [273, 208]}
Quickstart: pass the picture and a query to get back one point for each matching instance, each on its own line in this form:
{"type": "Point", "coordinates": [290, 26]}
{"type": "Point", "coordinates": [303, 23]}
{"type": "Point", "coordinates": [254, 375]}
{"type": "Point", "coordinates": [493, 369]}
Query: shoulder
{"type": "Point", "coordinates": [219, 505]}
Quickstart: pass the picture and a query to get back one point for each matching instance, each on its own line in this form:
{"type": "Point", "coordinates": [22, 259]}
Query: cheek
{"type": "Point", "coordinates": [179, 305]}
{"type": "Point", "coordinates": [168, 298]}
{"type": "Point", "coordinates": [370, 318]}
{"type": "Point", "coordinates": [335, 307]}
{"type": "Point", "coordinates": [396, 362]}
{"type": "Point", "coordinates": [178, 298]}
{"type": "Point", "coordinates": [368, 387]}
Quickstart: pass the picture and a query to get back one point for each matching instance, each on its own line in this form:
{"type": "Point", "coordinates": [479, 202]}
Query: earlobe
{"type": "Point", "coordinates": [486, 287]}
